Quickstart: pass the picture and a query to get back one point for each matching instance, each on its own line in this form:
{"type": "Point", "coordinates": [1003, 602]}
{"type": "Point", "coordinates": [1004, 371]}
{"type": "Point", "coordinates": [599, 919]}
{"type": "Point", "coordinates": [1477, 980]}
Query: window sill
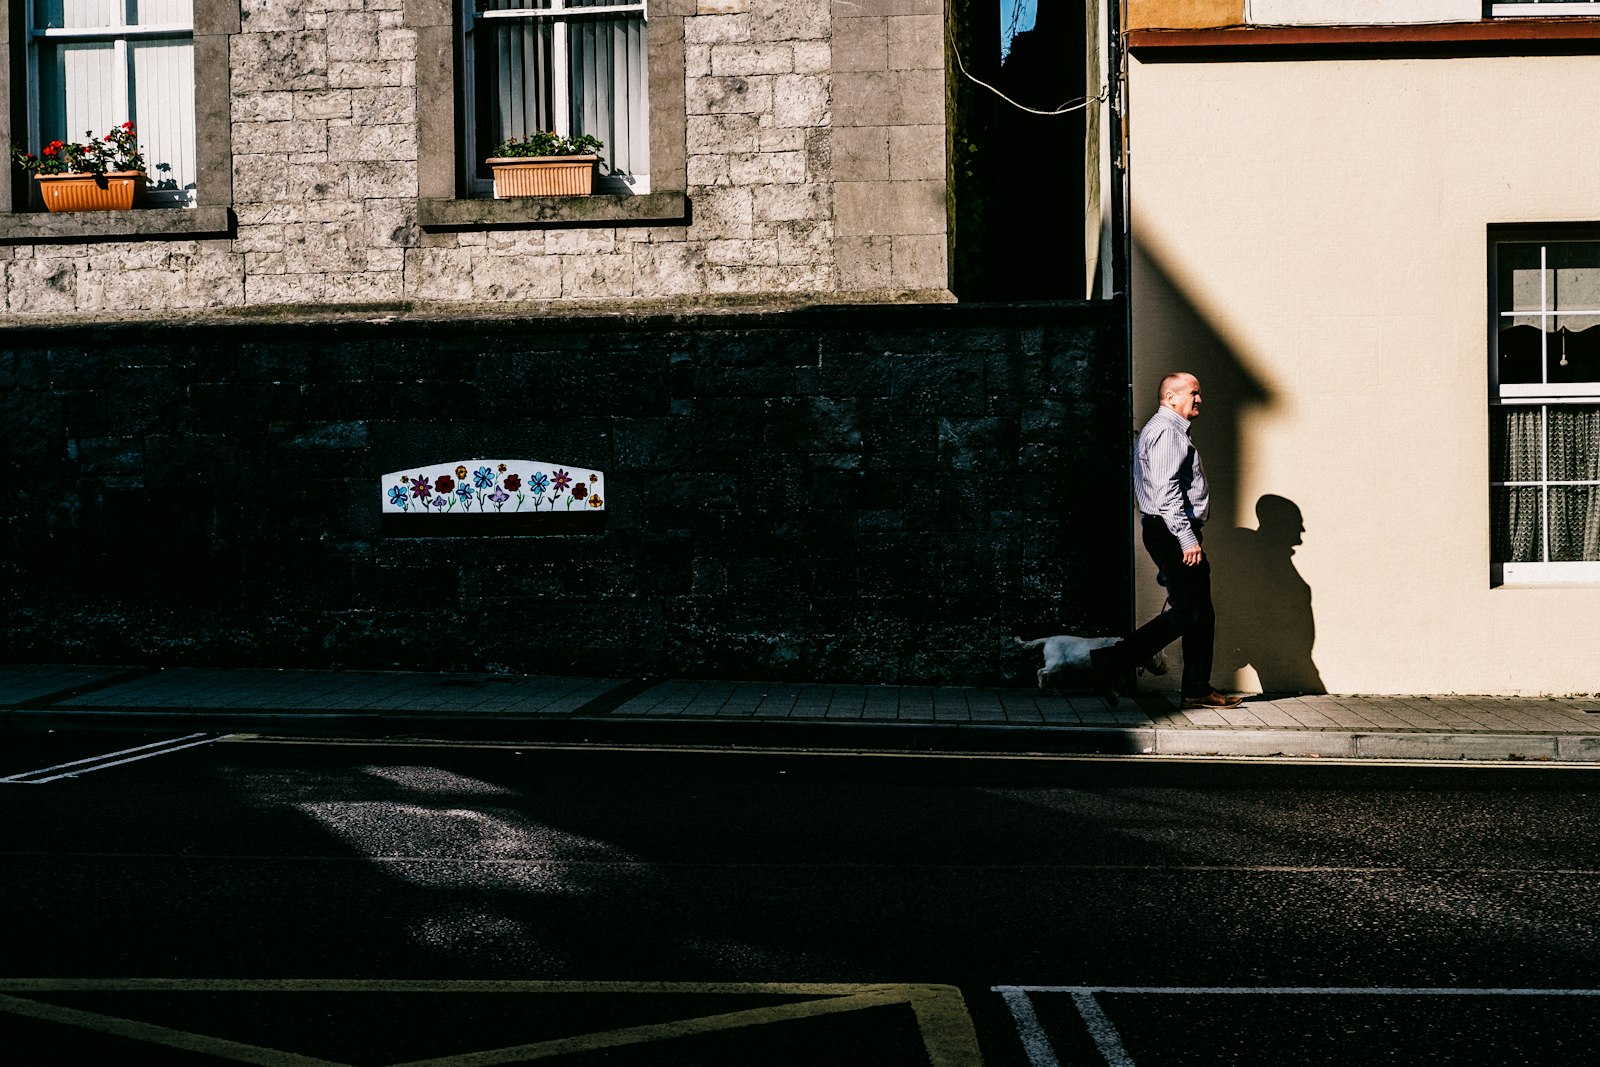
{"type": "Point", "coordinates": [140, 224]}
{"type": "Point", "coordinates": [552, 211]}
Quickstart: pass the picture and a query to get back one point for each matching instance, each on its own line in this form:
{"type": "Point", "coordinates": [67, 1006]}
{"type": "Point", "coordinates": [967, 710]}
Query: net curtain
{"type": "Point", "coordinates": [1574, 456]}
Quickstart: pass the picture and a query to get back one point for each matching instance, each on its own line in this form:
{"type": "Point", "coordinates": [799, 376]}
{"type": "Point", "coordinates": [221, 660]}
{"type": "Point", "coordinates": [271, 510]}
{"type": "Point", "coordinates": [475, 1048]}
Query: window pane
{"type": "Point", "coordinates": [161, 12]}
{"type": "Point", "coordinates": [513, 91]}
{"type": "Point", "coordinates": [1519, 277]}
{"type": "Point", "coordinates": [608, 88]}
{"type": "Point", "coordinates": [1573, 349]}
{"type": "Point", "coordinates": [1575, 275]}
{"type": "Point", "coordinates": [1515, 446]}
{"type": "Point", "coordinates": [1521, 348]}
{"type": "Point", "coordinates": [1574, 443]}
{"type": "Point", "coordinates": [79, 90]}
{"type": "Point", "coordinates": [164, 110]}
{"type": "Point", "coordinates": [1574, 523]}
{"type": "Point", "coordinates": [77, 14]}
{"type": "Point", "coordinates": [1516, 525]}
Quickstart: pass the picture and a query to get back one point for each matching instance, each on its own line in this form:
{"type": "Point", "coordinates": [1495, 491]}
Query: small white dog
{"type": "Point", "coordinates": [1068, 653]}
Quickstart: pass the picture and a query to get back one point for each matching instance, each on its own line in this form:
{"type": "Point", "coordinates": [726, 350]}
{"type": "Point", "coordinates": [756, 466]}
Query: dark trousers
{"type": "Point", "coordinates": [1190, 617]}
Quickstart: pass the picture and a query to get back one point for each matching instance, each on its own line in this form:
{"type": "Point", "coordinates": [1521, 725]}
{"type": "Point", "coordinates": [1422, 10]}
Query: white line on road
{"type": "Point", "coordinates": [1314, 991]}
{"type": "Point", "coordinates": [1035, 1042]}
{"type": "Point", "coordinates": [90, 764]}
{"type": "Point", "coordinates": [1108, 1040]}
{"type": "Point", "coordinates": [1105, 1035]}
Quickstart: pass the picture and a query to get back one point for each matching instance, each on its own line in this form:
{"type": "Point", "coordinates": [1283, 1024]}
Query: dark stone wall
{"type": "Point", "coordinates": [855, 494]}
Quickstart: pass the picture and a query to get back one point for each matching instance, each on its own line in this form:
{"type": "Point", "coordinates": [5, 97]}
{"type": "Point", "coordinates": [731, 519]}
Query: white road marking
{"type": "Point", "coordinates": [1315, 991]}
{"type": "Point", "coordinates": [1109, 1042]}
{"type": "Point", "coordinates": [1035, 1042]}
{"type": "Point", "coordinates": [1105, 1035]}
{"type": "Point", "coordinates": [90, 764]}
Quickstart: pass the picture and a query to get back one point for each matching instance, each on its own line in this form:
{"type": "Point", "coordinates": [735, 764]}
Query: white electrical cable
{"type": "Point", "coordinates": [1064, 109]}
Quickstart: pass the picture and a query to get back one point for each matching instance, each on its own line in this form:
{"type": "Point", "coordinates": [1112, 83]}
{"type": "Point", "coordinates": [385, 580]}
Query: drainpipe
{"type": "Point", "coordinates": [1122, 260]}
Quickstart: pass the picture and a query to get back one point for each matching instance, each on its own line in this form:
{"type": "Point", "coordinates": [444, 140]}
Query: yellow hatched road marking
{"type": "Point", "coordinates": [946, 1029]}
{"type": "Point", "coordinates": [159, 1035]}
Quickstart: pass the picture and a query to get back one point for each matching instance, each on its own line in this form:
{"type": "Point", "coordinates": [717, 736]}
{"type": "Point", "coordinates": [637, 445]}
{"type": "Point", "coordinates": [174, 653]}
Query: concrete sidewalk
{"type": "Point", "coordinates": [774, 714]}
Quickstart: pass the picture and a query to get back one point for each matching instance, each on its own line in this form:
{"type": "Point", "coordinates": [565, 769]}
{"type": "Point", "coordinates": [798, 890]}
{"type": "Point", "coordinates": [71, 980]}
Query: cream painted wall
{"type": "Point", "coordinates": [1311, 241]}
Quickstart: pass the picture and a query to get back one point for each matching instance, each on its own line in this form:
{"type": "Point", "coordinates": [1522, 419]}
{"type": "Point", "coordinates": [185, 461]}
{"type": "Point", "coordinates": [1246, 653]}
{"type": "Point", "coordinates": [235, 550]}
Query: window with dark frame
{"type": "Point", "coordinates": [567, 66]}
{"type": "Point", "coordinates": [1544, 426]}
{"type": "Point", "coordinates": [95, 64]}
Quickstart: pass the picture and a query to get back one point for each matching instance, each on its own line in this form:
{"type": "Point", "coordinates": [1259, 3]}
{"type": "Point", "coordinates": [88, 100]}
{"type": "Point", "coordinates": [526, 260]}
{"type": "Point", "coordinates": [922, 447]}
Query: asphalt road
{"type": "Point", "coordinates": [180, 899]}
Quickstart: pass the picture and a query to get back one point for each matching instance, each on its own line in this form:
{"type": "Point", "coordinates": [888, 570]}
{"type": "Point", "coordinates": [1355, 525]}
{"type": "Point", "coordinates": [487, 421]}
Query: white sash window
{"type": "Point", "coordinates": [568, 66]}
{"type": "Point", "coordinates": [1544, 422]}
{"type": "Point", "coordinates": [95, 64]}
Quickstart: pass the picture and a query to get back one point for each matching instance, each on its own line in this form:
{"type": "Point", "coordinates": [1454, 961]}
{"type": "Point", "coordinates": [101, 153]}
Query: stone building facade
{"type": "Point", "coordinates": [798, 147]}
{"type": "Point", "coordinates": [817, 464]}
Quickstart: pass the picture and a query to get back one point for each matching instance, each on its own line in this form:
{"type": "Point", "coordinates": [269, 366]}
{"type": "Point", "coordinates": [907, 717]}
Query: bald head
{"type": "Point", "coordinates": [1180, 391]}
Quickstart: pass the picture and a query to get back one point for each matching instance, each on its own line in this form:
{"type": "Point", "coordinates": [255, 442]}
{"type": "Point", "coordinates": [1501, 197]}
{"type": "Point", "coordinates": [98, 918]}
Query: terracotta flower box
{"type": "Point", "coordinates": [542, 175]}
{"type": "Point", "coordinates": [90, 192]}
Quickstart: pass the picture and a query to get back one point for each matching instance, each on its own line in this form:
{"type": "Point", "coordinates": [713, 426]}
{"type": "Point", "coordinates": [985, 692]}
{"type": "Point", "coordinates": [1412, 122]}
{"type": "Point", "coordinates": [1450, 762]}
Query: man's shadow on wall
{"type": "Point", "coordinates": [1264, 619]}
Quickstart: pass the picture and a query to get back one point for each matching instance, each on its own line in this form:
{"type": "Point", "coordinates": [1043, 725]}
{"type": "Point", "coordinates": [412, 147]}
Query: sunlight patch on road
{"type": "Point", "coordinates": [436, 781]}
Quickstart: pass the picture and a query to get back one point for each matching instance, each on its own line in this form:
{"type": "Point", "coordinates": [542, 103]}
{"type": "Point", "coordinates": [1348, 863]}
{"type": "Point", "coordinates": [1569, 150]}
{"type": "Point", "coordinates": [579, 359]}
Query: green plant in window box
{"type": "Point", "coordinates": [101, 174]}
{"type": "Point", "coordinates": [545, 164]}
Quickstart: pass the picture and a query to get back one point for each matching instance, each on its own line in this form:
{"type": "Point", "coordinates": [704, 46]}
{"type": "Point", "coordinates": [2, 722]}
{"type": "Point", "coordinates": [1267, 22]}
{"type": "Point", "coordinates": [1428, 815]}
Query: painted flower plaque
{"type": "Point", "coordinates": [493, 487]}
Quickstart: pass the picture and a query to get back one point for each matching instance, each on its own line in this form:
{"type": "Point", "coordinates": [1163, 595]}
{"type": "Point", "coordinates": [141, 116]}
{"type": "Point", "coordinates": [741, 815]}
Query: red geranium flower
{"type": "Point", "coordinates": [445, 484]}
{"type": "Point", "coordinates": [513, 482]}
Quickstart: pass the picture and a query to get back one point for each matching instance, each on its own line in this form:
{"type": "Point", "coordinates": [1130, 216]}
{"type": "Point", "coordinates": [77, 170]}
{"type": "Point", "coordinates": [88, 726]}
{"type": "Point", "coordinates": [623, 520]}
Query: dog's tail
{"type": "Point", "coordinates": [1036, 643]}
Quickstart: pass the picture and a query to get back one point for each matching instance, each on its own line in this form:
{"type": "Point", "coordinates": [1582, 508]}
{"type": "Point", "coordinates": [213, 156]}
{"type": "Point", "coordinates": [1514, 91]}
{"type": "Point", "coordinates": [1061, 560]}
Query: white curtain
{"type": "Point", "coordinates": [90, 86]}
{"type": "Point", "coordinates": [606, 83]}
{"type": "Point", "coordinates": [608, 87]}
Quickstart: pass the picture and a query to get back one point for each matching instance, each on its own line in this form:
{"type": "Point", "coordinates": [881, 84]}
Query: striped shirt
{"type": "Point", "coordinates": [1168, 479]}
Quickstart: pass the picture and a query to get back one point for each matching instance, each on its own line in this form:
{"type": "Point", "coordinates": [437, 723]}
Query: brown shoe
{"type": "Point", "coordinates": [1212, 701]}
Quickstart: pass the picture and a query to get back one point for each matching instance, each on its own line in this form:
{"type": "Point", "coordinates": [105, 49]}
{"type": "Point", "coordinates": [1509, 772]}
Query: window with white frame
{"type": "Point", "coordinates": [1546, 8]}
{"type": "Point", "coordinates": [95, 64]}
{"type": "Point", "coordinates": [568, 66]}
{"type": "Point", "coordinates": [1545, 411]}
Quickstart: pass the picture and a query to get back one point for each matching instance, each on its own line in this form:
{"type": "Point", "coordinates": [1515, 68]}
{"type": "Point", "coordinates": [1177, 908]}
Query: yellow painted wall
{"type": "Point", "coordinates": [1311, 241]}
{"type": "Point", "coordinates": [1184, 14]}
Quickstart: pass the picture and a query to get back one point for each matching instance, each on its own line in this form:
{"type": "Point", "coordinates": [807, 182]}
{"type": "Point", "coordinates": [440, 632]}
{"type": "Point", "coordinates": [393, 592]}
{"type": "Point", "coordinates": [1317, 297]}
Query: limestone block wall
{"type": "Point", "coordinates": [807, 136]}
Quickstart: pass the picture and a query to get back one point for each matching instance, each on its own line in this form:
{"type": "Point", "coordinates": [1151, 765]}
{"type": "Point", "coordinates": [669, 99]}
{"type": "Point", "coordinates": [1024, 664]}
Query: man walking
{"type": "Point", "coordinates": [1174, 502]}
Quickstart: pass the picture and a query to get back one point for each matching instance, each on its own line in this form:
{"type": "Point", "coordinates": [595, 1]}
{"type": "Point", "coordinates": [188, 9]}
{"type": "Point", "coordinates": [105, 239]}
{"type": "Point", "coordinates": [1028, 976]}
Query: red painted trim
{"type": "Point", "coordinates": [1507, 31]}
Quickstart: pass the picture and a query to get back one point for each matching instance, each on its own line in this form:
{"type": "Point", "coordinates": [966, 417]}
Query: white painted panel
{"type": "Point", "coordinates": [1359, 12]}
{"type": "Point", "coordinates": [493, 487]}
{"type": "Point", "coordinates": [1545, 10]}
